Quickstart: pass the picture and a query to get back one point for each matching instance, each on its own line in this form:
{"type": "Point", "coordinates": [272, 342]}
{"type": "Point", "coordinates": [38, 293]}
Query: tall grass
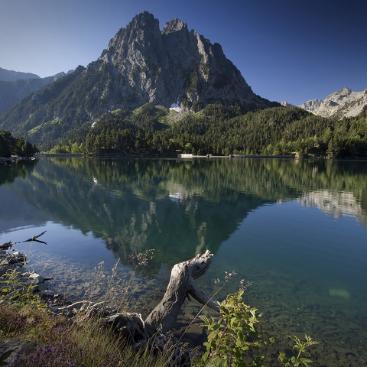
{"type": "Point", "coordinates": [56, 342]}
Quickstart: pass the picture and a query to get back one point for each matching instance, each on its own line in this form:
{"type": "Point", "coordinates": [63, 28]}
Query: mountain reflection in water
{"type": "Point", "coordinates": [140, 204]}
{"type": "Point", "coordinates": [295, 229]}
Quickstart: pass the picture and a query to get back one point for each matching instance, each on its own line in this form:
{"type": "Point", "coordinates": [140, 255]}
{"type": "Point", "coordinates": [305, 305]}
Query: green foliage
{"type": "Point", "coordinates": [300, 355]}
{"type": "Point", "coordinates": [15, 291]}
{"type": "Point", "coordinates": [73, 148]}
{"type": "Point", "coordinates": [54, 341]}
{"type": "Point", "coordinates": [15, 146]}
{"type": "Point", "coordinates": [235, 339]}
{"type": "Point", "coordinates": [222, 130]}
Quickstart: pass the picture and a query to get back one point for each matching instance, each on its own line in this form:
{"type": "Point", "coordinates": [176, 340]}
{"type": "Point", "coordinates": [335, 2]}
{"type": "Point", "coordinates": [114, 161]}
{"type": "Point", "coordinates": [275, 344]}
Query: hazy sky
{"type": "Point", "coordinates": [290, 50]}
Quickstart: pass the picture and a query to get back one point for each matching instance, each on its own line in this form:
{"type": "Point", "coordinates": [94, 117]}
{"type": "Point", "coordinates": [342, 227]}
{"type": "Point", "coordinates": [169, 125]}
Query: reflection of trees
{"type": "Point", "coordinates": [15, 211]}
{"type": "Point", "coordinates": [10, 172]}
{"type": "Point", "coordinates": [174, 206]}
{"type": "Point", "coordinates": [334, 187]}
{"type": "Point", "coordinates": [128, 203]}
{"type": "Point", "coordinates": [271, 179]}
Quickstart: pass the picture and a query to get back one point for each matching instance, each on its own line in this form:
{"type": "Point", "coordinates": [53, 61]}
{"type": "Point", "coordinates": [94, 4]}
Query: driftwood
{"type": "Point", "coordinates": [7, 245]}
{"type": "Point", "coordinates": [180, 287]}
{"type": "Point", "coordinates": [153, 331]}
{"type": "Point", "coordinates": [36, 238]}
{"type": "Point", "coordinates": [163, 317]}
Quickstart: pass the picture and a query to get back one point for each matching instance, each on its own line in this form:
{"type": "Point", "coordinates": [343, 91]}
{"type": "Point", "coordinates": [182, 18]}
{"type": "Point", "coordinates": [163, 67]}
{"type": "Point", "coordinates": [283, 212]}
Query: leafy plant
{"type": "Point", "coordinates": [300, 355]}
{"type": "Point", "coordinates": [233, 338]}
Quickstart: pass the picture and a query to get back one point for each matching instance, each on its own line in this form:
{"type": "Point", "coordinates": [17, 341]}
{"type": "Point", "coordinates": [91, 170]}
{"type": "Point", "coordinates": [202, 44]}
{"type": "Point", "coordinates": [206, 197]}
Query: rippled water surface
{"type": "Point", "coordinates": [296, 231]}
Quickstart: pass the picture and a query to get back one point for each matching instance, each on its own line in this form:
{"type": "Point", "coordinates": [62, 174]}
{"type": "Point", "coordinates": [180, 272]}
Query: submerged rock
{"type": "Point", "coordinates": [36, 278]}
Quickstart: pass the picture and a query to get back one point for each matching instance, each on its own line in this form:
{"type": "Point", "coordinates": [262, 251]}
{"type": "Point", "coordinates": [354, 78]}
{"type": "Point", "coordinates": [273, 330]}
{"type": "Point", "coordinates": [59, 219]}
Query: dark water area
{"type": "Point", "coordinates": [295, 231]}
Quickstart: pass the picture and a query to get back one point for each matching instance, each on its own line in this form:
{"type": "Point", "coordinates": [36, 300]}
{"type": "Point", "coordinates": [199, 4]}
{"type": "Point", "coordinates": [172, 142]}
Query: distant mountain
{"type": "Point", "coordinates": [342, 103]}
{"type": "Point", "coordinates": [142, 63]}
{"type": "Point", "coordinates": [12, 92]}
{"type": "Point", "coordinates": [10, 75]}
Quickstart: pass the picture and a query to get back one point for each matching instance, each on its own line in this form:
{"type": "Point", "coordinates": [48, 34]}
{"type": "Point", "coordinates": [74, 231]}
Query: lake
{"type": "Point", "coordinates": [296, 231]}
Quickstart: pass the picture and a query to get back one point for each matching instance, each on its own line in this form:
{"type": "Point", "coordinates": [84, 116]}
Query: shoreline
{"type": "Point", "coordinates": [12, 261]}
{"type": "Point", "coordinates": [193, 157]}
{"type": "Point", "coordinates": [6, 161]}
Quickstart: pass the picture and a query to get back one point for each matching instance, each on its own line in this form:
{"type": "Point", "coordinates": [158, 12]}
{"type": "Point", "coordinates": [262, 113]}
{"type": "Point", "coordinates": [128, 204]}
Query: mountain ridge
{"type": "Point", "coordinates": [339, 104]}
{"type": "Point", "coordinates": [11, 75]}
{"type": "Point", "coordinates": [12, 92]}
{"type": "Point", "coordinates": [141, 64]}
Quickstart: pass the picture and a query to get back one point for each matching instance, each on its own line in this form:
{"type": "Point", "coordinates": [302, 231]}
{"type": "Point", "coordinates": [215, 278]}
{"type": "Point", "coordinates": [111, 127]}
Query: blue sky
{"type": "Point", "coordinates": [290, 50]}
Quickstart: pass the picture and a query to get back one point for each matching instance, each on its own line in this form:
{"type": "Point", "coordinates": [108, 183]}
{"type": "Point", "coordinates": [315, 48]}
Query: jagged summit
{"type": "Point", "coordinates": [344, 90]}
{"type": "Point", "coordinates": [141, 64]}
{"type": "Point", "coordinates": [342, 103]}
{"type": "Point", "coordinates": [175, 64]}
{"type": "Point", "coordinates": [175, 25]}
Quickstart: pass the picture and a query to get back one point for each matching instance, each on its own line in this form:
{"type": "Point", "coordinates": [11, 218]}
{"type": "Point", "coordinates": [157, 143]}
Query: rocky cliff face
{"type": "Point", "coordinates": [142, 63]}
{"type": "Point", "coordinates": [175, 65]}
{"type": "Point", "coordinates": [342, 103]}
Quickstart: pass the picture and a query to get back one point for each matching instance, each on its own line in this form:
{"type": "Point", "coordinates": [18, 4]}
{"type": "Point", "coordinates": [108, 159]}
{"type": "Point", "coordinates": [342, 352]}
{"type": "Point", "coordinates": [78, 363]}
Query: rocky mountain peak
{"type": "Point", "coordinates": [141, 64]}
{"type": "Point", "coordinates": [144, 20]}
{"type": "Point", "coordinates": [344, 91]}
{"type": "Point", "coordinates": [143, 27]}
{"type": "Point", "coordinates": [342, 103]}
{"type": "Point", "coordinates": [340, 94]}
{"type": "Point", "coordinates": [174, 64]}
{"type": "Point", "coordinates": [175, 25]}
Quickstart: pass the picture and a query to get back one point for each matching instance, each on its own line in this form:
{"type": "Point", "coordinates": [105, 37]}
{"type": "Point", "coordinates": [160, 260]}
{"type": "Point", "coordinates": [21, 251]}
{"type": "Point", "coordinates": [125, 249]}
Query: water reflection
{"type": "Point", "coordinates": [178, 207]}
{"type": "Point", "coordinates": [334, 203]}
{"type": "Point", "coordinates": [273, 221]}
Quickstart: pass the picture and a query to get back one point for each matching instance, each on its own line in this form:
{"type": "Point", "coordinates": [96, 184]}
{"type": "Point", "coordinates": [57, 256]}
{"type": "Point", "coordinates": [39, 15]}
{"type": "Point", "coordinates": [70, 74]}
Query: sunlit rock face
{"type": "Point", "coordinates": [175, 64]}
{"type": "Point", "coordinates": [141, 64]}
{"type": "Point", "coordinates": [342, 103]}
{"type": "Point", "coordinates": [334, 203]}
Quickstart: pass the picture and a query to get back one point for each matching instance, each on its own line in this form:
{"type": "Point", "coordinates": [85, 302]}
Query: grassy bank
{"type": "Point", "coordinates": [31, 335]}
{"type": "Point", "coordinates": [33, 332]}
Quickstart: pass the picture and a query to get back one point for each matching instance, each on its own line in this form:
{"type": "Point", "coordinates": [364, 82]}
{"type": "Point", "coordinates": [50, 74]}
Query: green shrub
{"type": "Point", "coordinates": [299, 356]}
{"type": "Point", "coordinates": [235, 339]}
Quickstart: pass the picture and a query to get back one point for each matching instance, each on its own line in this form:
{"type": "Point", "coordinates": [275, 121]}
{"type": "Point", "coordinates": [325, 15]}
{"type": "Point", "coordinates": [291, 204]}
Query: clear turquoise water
{"type": "Point", "coordinates": [297, 231]}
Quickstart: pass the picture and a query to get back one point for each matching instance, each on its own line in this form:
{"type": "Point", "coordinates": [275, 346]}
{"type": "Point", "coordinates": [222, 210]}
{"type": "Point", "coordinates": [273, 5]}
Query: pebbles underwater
{"type": "Point", "coordinates": [341, 332]}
